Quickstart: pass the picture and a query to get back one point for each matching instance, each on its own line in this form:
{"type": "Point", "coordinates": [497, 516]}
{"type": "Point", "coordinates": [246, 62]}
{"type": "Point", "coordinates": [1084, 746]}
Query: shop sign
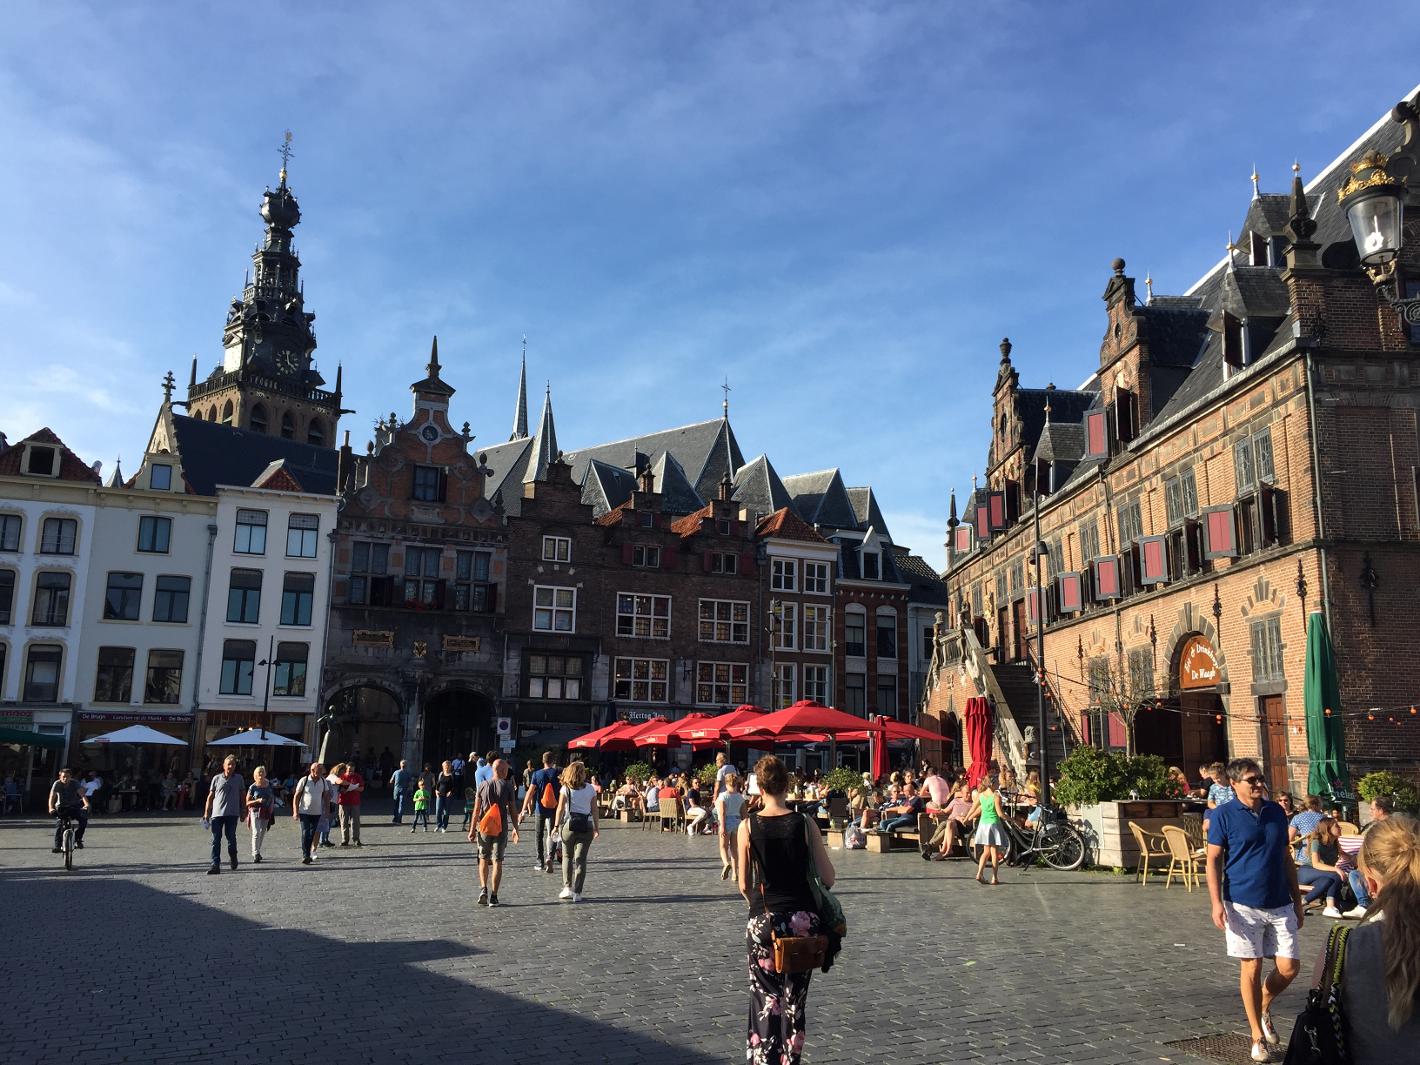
{"type": "Point", "coordinates": [1198, 665]}
{"type": "Point", "coordinates": [11, 714]}
{"type": "Point", "coordinates": [135, 718]}
{"type": "Point", "coordinates": [372, 638]}
{"type": "Point", "coordinates": [461, 643]}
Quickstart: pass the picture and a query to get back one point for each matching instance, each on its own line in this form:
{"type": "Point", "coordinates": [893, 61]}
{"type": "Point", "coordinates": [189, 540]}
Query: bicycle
{"type": "Point", "coordinates": [67, 837]}
{"type": "Point", "coordinates": [1052, 839]}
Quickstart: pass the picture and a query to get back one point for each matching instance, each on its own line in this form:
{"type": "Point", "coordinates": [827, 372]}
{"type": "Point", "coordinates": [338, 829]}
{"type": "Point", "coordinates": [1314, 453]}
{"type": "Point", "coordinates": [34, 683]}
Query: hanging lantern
{"type": "Point", "coordinates": [1370, 716]}
{"type": "Point", "coordinates": [1218, 718]}
{"type": "Point", "coordinates": [1328, 711]}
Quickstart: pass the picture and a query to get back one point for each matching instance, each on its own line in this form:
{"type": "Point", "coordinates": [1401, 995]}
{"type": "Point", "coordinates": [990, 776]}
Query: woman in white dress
{"type": "Point", "coordinates": [728, 808]}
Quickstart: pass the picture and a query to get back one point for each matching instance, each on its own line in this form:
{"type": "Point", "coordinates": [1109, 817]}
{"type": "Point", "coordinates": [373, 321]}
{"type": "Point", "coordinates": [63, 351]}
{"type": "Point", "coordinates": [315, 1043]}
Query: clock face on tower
{"type": "Point", "coordinates": [429, 433]}
{"type": "Point", "coordinates": [287, 362]}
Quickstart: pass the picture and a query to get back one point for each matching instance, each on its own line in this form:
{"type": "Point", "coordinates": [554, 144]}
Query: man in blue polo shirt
{"type": "Point", "coordinates": [1257, 904]}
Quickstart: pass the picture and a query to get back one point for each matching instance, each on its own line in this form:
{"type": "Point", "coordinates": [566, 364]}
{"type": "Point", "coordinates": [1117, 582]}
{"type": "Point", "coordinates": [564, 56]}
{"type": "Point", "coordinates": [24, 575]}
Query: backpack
{"type": "Point", "coordinates": [491, 823]}
{"type": "Point", "coordinates": [548, 801]}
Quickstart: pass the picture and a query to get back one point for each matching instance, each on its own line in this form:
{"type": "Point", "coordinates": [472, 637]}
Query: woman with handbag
{"type": "Point", "coordinates": [260, 809]}
{"type": "Point", "coordinates": [577, 814]}
{"type": "Point", "coordinates": [778, 853]}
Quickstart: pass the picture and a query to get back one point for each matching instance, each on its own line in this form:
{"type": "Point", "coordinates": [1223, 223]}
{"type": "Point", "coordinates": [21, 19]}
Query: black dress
{"type": "Point", "coordinates": [780, 901]}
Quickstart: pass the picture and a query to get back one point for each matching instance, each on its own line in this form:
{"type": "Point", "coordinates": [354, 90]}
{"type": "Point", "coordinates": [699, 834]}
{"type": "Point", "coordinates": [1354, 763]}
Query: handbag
{"type": "Point", "coordinates": [1319, 1037]}
{"type": "Point", "coordinates": [830, 910]}
{"type": "Point", "coordinates": [793, 954]}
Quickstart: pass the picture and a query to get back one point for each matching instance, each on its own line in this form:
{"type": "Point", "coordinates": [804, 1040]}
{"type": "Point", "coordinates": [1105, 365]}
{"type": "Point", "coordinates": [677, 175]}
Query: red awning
{"type": "Point", "coordinates": [804, 716]}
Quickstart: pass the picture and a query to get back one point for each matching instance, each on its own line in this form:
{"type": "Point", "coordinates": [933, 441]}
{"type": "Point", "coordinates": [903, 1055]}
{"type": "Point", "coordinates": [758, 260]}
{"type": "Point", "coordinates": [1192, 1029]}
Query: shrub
{"type": "Point", "coordinates": [1089, 776]}
{"type": "Point", "coordinates": [706, 775]}
{"type": "Point", "coordinates": [841, 779]}
{"type": "Point", "coordinates": [1405, 794]}
{"type": "Point", "coordinates": [640, 770]}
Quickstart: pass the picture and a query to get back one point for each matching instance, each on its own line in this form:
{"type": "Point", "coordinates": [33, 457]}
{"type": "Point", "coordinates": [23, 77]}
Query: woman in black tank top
{"type": "Point", "coordinates": [775, 845]}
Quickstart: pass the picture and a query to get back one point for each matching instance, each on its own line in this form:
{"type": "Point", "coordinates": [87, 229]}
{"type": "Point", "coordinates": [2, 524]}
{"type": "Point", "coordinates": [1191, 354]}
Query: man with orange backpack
{"type": "Point", "coordinates": [543, 788]}
{"type": "Point", "coordinates": [493, 820]}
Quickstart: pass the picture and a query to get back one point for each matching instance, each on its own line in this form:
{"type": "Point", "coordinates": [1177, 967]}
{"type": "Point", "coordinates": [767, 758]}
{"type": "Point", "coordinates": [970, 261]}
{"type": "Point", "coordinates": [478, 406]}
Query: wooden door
{"type": "Point", "coordinates": [1274, 723]}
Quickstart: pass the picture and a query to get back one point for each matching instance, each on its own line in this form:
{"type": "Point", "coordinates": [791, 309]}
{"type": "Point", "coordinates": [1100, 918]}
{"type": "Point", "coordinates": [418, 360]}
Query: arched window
{"type": "Point", "coordinates": [258, 418]}
{"type": "Point", "coordinates": [212, 413]}
{"type": "Point", "coordinates": [227, 413]}
{"type": "Point", "coordinates": [316, 433]}
{"type": "Point", "coordinates": [288, 426]}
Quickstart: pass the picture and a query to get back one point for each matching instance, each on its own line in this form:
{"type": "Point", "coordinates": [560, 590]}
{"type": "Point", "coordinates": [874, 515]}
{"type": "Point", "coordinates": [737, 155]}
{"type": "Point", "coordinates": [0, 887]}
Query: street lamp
{"type": "Point", "coordinates": [266, 690]}
{"type": "Point", "coordinates": [776, 619]}
{"type": "Point", "coordinates": [1038, 551]}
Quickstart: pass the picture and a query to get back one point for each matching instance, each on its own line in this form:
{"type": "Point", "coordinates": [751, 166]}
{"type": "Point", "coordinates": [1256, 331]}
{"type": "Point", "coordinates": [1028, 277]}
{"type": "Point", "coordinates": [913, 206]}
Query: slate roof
{"type": "Point", "coordinates": [927, 584]}
{"type": "Point", "coordinates": [507, 464]}
{"type": "Point", "coordinates": [849, 570]}
{"type": "Point", "coordinates": [1061, 442]}
{"type": "Point", "coordinates": [706, 451]}
{"type": "Point", "coordinates": [784, 524]}
{"type": "Point", "coordinates": [758, 487]}
{"type": "Point", "coordinates": [1254, 292]}
{"type": "Point", "coordinates": [214, 454]}
{"type": "Point", "coordinates": [677, 495]}
{"type": "Point", "coordinates": [607, 487]}
{"type": "Point", "coordinates": [865, 509]}
{"type": "Point", "coordinates": [71, 466]}
{"type": "Point", "coordinates": [821, 499]}
{"type": "Point", "coordinates": [1066, 405]}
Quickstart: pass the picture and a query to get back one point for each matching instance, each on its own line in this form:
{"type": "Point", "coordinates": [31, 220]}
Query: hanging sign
{"type": "Point", "coordinates": [1198, 665]}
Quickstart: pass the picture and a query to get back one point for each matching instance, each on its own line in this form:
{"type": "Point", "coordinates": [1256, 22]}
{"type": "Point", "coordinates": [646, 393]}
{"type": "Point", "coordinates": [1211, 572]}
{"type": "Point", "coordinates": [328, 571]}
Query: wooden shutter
{"type": "Point", "coordinates": [670, 558]}
{"type": "Point", "coordinates": [1096, 435]}
{"type": "Point", "coordinates": [747, 564]}
{"type": "Point", "coordinates": [492, 600]}
{"type": "Point", "coordinates": [443, 486]}
{"type": "Point", "coordinates": [1220, 535]}
{"type": "Point", "coordinates": [1232, 341]}
{"type": "Point", "coordinates": [1124, 414]}
{"type": "Point", "coordinates": [1153, 560]}
{"type": "Point", "coordinates": [627, 550]}
{"type": "Point", "coordinates": [962, 534]}
{"type": "Point", "coordinates": [996, 508]}
{"type": "Point", "coordinates": [707, 560]}
{"type": "Point", "coordinates": [1071, 593]}
{"type": "Point", "coordinates": [1117, 734]}
{"type": "Point", "coordinates": [1106, 577]}
{"type": "Point", "coordinates": [440, 594]}
{"type": "Point", "coordinates": [983, 522]}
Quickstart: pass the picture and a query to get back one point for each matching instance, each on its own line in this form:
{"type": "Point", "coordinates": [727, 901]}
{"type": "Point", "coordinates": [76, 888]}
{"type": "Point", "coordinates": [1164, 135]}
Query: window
{"type": "Point", "coordinates": [42, 673]}
{"type": "Point", "coordinates": [238, 661]}
{"type": "Point", "coordinates": [1153, 560]}
{"type": "Point", "coordinates": [164, 682]}
{"type": "Point", "coordinates": [155, 534]}
{"type": "Point", "coordinates": [1089, 542]}
{"type": "Point", "coordinates": [1243, 466]}
{"type": "Point", "coordinates": [1131, 522]}
{"type": "Point", "coordinates": [1219, 533]}
{"type": "Point", "coordinates": [289, 679]}
{"type": "Point", "coordinates": [7, 596]}
{"type": "Point", "coordinates": [927, 640]}
{"type": "Point", "coordinates": [1267, 650]}
{"type": "Point", "coordinates": [783, 574]}
{"type": "Point", "coordinates": [784, 624]}
{"type": "Point", "coordinates": [1181, 497]}
{"type": "Point", "coordinates": [722, 526]}
{"type": "Point", "coordinates": [816, 578]}
{"type": "Point", "coordinates": [783, 676]}
{"type": "Point", "coordinates": [724, 562]}
{"type": "Point", "coordinates": [556, 549]}
{"type": "Point", "coordinates": [554, 677]}
{"type": "Point", "coordinates": [887, 635]}
{"type": "Point", "coordinates": [1186, 549]}
{"type": "Point", "coordinates": [288, 426]}
{"type": "Point", "coordinates": [113, 681]}
{"type": "Point", "coordinates": [1018, 577]}
{"type": "Point", "coordinates": [430, 484]}
{"type": "Point", "coordinates": [315, 433]}
{"type": "Point", "coordinates": [887, 694]}
{"type": "Point", "coordinates": [471, 588]}
{"type": "Point", "coordinates": [160, 477]}
{"type": "Point", "coordinates": [977, 605]}
{"type": "Point", "coordinates": [724, 621]}
{"type": "Point", "coordinates": [855, 693]}
{"type": "Point", "coordinates": [855, 633]}
{"type": "Point", "coordinates": [1141, 673]}
{"type": "Point", "coordinates": [722, 683]}
{"type": "Point", "coordinates": [251, 532]}
{"type": "Point", "coordinates": [297, 595]}
{"type": "Point", "coordinates": [645, 617]}
{"type": "Point", "coordinates": [1105, 571]}
{"type": "Point", "coordinates": [244, 596]}
{"type": "Point", "coordinates": [817, 628]}
{"type": "Point", "coordinates": [42, 461]}
{"type": "Point", "coordinates": [422, 587]}
{"type": "Point", "coordinates": [9, 532]}
{"type": "Point", "coordinates": [554, 609]}
{"type": "Point", "coordinates": [123, 599]}
{"type": "Point", "coordinates": [641, 680]}
{"type": "Point", "coordinates": [58, 536]}
{"type": "Point", "coordinates": [1096, 435]}
{"type": "Point", "coordinates": [644, 556]}
{"type": "Point", "coordinates": [171, 598]}
{"type": "Point", "coordinates": [816, 684]}
{"type": "Point", "coordinates": [51, 599]}
{"type": "Point", "coordinates": [872, 565]}
{"type": "Point", "coordinates": [258, 419]}
{"type": "Point", "coordinates": [301, 532]}
{"type": "Point", "coordinates": [368, 564]}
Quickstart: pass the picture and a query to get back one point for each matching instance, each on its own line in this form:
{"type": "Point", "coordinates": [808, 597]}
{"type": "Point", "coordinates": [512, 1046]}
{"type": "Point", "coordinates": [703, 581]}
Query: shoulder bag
{"type": "Point", "coordinates": [792, 954]}
{"type": "Point", "coordinates": [830, 911]}
{"type": "Point", "coordinates": [1319, 1037]}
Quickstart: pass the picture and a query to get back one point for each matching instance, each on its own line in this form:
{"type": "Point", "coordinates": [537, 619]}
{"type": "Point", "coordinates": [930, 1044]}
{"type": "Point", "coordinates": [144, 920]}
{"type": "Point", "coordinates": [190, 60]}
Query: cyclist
{"type": "Point", "coordinates": [67, 799]}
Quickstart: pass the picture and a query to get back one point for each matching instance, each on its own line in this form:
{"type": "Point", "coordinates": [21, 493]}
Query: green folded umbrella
{"type": "Point", "coordinates": [1326, 748]}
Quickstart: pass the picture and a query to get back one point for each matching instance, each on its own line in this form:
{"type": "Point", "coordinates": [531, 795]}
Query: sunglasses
{"type": "Point", "coordinates": [1255, 782]}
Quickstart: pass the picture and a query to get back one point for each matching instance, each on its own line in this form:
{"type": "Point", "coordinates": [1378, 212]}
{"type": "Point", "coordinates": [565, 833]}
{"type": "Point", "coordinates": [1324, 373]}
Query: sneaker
{"type": "Point", "coordinates": [1269, 1031]}
{"type": "Point", "coordinates": [926, 857]}
{"type": "Point", "coordinates": [213, 869]}
{"type": "Point", "coordinates": [565, 893]}
{"type": "Point", "coordinates": [483, 898]}
{"type": "Point", "coordinates": [1260, 1052]}
{"type": "Point", "coordinates": [306, 860]}
{"type": "Point", "coordinates": [257, 859]}
{"type": "Point", "coordinates": [578, 898]}
{"type": "Point", "coordinates": [416, 830]}
{"type": "Point", "coordinates": [358, 843]}
{"type": "Point", "coordinates": [493, 899]}
{"type": "Point", "coordinates": [1331, 911]}
{"type": "Point", "coordinates": [1355, 914]}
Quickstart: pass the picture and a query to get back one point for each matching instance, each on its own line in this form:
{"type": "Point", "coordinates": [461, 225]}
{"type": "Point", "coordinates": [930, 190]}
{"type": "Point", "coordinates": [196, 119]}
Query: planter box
{"type": "Point", "coordinates": [1111, 844]}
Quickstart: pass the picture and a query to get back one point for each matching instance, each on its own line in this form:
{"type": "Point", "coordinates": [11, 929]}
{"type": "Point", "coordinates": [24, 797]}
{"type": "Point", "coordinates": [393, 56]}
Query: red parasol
{"type": "Point", "coordinates": [670, 733]}
{"type": "Point", "coordinates": [714, 729]}
{"type": "Point", "coordinates": [978, 738]}
{"type": "Point", "coordinates": [594, 740]}
{"type": "Point", "coordinates": [879, 763]}
{"type": "Point", "coordinates": [804, 716]}
{"type": "Point", "coordinates": [895, 731]}
{"type": "Point", "coordinates": [626, 741]}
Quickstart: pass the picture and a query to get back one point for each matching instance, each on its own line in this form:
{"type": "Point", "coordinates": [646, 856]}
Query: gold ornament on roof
{"type": "Point", "coordinates": [1366, 172]}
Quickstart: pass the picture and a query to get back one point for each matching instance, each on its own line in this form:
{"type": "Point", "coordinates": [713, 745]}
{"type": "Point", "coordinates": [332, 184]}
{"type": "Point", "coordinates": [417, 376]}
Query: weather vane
{"type": "Point", "coordinates": [285, 155]}
{"type": "Point", "coordinates": [725, 404]}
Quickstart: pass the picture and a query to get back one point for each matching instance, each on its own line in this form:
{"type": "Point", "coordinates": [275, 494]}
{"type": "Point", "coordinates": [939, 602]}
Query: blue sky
{"type": "Point", "coordinates": [840, 207]}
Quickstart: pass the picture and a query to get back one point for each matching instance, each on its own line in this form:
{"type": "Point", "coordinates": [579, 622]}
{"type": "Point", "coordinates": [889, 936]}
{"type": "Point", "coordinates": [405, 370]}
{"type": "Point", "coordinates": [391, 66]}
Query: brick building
{"type": "Point", "coordinates": [1241, 456]}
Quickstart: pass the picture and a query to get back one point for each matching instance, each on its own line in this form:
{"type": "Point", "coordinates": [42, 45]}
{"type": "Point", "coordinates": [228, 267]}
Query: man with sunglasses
{"type": "Point", "coordinates": [1257, 902]}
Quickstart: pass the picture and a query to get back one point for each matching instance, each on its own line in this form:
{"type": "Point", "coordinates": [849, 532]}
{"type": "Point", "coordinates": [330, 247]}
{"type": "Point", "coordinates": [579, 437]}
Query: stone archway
{"type": "Point", "coordinates": [367, 726]}
{"type": "Point", "coordinates": [1197, 682]}
{"type": "Point", "coordinates": [457, 720]}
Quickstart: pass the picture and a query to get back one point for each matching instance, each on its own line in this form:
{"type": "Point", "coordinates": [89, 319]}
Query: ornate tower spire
{"type": "Point", "coordinates": [544, 446]}
{"type": "Point", "coordinates": [520, 408]}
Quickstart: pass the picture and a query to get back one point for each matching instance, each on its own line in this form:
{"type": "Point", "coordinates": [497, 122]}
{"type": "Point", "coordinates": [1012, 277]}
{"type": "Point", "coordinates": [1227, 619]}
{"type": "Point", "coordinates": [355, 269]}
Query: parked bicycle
{"type": "Point", "coordinates": [1051, 838]}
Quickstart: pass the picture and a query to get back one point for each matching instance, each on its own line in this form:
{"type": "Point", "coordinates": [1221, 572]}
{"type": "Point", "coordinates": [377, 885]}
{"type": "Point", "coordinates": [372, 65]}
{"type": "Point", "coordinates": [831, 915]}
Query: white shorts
{"type": "Point", "coordinates": [1256, 933]}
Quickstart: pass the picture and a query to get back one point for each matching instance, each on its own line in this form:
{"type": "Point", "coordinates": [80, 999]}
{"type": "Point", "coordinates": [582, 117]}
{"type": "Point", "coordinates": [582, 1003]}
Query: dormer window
{"type": "Point", "coordinates": [41, 461]}
{"type": "Point", "coordinates": [1257, 250]}
{"type": "Point", "coordinates": [160, 477]}
{"type": "Point", "coordinates": [872, 565]}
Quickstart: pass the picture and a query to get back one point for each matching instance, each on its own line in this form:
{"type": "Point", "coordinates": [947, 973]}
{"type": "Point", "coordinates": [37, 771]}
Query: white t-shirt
{"type": "Point", "coordinates": [580, 800]}
{"type": "Point", "coordinates": [92, 786]}
{"type": "Point", "coordinates": [311, 795]}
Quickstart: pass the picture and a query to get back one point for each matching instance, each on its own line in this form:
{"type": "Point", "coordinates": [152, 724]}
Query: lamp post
{"type": "Point", "coordinates": [1041, 745]}
{"type": "Point", "coordinates": [776, 617]}
{"type": "Point", "coordinates": [266, 688]}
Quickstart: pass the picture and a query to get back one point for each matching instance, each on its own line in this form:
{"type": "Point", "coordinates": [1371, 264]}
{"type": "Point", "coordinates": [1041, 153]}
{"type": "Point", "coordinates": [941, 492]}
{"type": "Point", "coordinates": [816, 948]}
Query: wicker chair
{"type": "Point", "coordinates": [672, 810]}
{"type": "Point", "coordinates": [1183, 857]}
{"type": "Point", "coordinates": [1152, 847]}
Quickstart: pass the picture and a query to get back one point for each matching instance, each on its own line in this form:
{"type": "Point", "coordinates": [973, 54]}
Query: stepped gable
{"type": "Point", "coordinates": [213, 454]}
{"type": "Point", "coordinates": [784, 524]}
{"type": "Point", "coordinates": [71, 466]}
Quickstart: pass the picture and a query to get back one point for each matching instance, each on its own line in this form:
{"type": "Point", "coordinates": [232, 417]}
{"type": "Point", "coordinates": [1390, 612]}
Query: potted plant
{"type": "Point", "coordinates": [1107, 790]}
{"type": "Point", "coordinates": [1403, 793]}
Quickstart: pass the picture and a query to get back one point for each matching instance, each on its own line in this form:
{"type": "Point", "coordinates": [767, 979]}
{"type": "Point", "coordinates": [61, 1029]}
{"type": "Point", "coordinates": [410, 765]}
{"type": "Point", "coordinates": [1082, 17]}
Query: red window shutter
{"type": "Point", "coordinates": [707, 560]}
{"type": "Point", "coordinates": [1106, 570]}
{"type": "Point", "coordinates": [1096, 437]}
{"type": "Point", "coordinates": [1117, 735]}
{"type": "Point", "coordinates": [626, 553]}
{"type": "Point", "coordinates": [983, 523]}
{"type": "Point", "coordinates": [996, 505]}
{"type": "Point", "coordinates": [1085, 730]}
{"type": "Point", "coordinates": [963, 539]}
{"type": "Point", "coordinates": [1072, 593]}
{"type": "Point", "coordinates": [1220, 536]}
{"type": "Point", "coordinates": [1032, 606]}
{"type": "Point", "coordinates": [1153, 560]}
{"type": "Point", "coordinates": [670, 558]}
{"type": "Point", "coordinates": [747, 563]}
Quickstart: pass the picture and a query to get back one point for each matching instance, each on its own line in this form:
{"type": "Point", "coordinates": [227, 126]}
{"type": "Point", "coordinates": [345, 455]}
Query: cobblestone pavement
{"type": "Point", "coordinates": [380, 955]}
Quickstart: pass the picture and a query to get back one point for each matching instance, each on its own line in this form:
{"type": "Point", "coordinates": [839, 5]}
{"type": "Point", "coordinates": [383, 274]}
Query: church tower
{"type": "Point", "coordinates": [266, 382]}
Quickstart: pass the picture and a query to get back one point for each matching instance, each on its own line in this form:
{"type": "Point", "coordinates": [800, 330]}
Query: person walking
{"type": "Point", "coordinates": [422, 794]}
{"type": "Point", "coordinates": [226, 798]}
{"type": "Point", "coordinates": [542, 799]}
{"type": "Point", "coordinates": [576, 812]}
{"type": "Point", "coordinates": [352, 785]}
{"type": "Point", "coordinates": [260, 809]}
{"type": "Point", "coordinates": [494, 819]}
{"type": "Point", "coordinates": [445, 788]}
{"type": "Point", "coordinates": [775, 847]}
{"type": "Point", "coordinates": [310, 802]}
{"type": "Point", "coordinates": [328, 815]}
{"type": "Point", "coordinates": [990, 836]}
{"type": "Point", "coordinates": [1380, 980]}
{"type": "Point", "coordinates": [401, 787]}
{"type": "Point", "coordinates": [1256, 900]}
{"type": "Point", "coordinates": [729, 806]}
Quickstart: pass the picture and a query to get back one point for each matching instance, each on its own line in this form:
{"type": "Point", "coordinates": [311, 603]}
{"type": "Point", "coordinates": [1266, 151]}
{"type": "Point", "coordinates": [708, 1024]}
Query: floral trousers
{"type": "Point", "coordinates": [777, 1001]}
